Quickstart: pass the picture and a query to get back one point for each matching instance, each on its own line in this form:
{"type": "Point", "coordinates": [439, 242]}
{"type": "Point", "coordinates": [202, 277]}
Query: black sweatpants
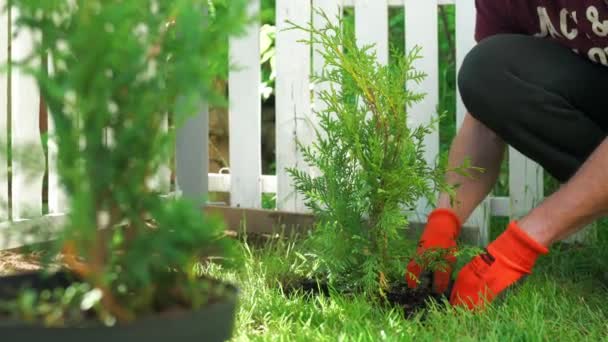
{"type": "Point", "coordinates": [540, 97]}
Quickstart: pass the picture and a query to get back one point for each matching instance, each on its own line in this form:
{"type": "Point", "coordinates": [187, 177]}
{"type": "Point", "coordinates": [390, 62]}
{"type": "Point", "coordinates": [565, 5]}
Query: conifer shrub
{"type": "Point", "coordinates": [116, 69]}
{"type": "Point", "coordinates": [370, 160]}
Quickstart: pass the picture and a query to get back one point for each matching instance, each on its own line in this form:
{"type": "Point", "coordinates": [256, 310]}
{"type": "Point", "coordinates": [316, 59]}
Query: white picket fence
{"type": "Point", "coordinates": [294, 106]}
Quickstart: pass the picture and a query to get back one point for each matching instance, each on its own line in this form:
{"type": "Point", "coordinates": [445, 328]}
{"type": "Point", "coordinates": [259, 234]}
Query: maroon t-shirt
{"type": "Point", "coordinates": [581, 25]}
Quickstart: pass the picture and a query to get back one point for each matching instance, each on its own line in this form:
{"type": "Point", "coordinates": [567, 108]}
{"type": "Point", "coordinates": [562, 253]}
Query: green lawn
{"type": "Point", "coordinates": [565, 299]}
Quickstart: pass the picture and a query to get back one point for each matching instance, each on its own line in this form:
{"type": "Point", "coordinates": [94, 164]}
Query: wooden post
{"type": "Point", "coordinates": [333, 10]}
{"type": "Point", "coordinates": [421, 25]}
{"type": "Point", "coordinates": [525, 184]}
{"type": "Point", "coordinates": [245, 117]}
{"type": "Point", "coordinates": [161, 180]}
{"type": "Point", "coordinates": [4, 96]}
{"type": "Point", "coordinates": [27, 156]}
{"type": "Point", "coordinates": [192, 156]}
{"type": "Point", "coordinates": [371, 26]}
{"type": "Point", "coordinates": [293, 108]}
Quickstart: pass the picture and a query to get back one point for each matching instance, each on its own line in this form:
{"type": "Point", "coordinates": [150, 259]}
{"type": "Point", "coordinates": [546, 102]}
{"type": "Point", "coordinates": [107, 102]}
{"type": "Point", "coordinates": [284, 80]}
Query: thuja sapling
{"type": "Point", "coordinates": [372, 163]}
{"type": "Point", "coordinates": [118, 67]}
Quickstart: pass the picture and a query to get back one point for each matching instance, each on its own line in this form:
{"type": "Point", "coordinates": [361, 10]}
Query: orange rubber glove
{"type": "Point", "coordinates": [441, 231]}
{"type": "Point", "coordinates": [509, 258]}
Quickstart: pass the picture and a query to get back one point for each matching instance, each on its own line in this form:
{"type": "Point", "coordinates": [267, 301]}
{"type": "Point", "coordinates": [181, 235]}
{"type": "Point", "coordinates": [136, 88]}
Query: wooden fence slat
{"type": "Point", "coordinates": [333, 10]}
{"type": "Point", "coordinates": [4, 37]}
{"type": "Point", "coordinates": [371, 26]}
{"type": "Point", "coordinates": [293, 109]}
{"type": "Point", "coordinates": [221, 183]}
{"type": "Point", "coordinates": [465, 41]}
{"type": "Point", "coordinates": [421, 31]}
{"type": "Point", "coordinates": [245, 117]}
{"type": "Point", "coordinates": [27, 155]}
{"type": "Point", "coordinates": [161, 180]}
{"type": "Point", "coordinates": [58, 201]}
{"type": "Point", "coordinates": [525, 184]}
{"type": "Point", "coordinates": [192, 156]}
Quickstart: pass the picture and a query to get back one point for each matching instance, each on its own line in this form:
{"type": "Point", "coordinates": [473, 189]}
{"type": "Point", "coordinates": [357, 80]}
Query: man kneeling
{"type": "Point", "coordinates": [536, 81]}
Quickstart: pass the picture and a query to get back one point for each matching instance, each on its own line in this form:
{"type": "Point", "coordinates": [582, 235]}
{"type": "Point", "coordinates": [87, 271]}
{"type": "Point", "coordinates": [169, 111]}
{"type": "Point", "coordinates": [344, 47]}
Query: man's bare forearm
{"type": "Point", "coordinates": [579, 202]}
{"type": "Point", "coordinates": [486, 151]}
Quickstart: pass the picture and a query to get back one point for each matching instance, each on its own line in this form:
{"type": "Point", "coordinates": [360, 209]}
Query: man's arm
{"type": "Point", "coordinates": [579, 202]}
{"type": "Point", "coordinates": [485, 150]}
{"type": "Point", "coordinates": [513, 254]}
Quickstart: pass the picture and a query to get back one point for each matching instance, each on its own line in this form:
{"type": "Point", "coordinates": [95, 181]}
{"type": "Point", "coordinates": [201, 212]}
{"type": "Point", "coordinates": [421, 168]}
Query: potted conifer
{"type": "Point", "coordinates": [116, 69]}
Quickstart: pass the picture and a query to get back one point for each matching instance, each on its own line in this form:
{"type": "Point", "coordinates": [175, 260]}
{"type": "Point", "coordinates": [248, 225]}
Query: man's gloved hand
{"type": "Point", "coordinates": [441, 231]}
{"type": "Point", "coordinates": [509, 258]}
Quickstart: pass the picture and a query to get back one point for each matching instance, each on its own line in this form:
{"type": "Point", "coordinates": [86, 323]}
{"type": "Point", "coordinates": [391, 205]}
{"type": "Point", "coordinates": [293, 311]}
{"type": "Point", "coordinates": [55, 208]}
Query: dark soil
{"type": "Point", "coordinates": [11, 286]}
{"type": "Point", "coordinates": [399, 295]}
{"type": "Point", "coordinates": [412, 301]}
{"type": "Point", "coordinates": [307, 287]}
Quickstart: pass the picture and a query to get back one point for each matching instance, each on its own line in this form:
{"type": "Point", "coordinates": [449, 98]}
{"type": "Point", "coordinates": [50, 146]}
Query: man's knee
{"type": "Point", "coordinates": [484, 82]}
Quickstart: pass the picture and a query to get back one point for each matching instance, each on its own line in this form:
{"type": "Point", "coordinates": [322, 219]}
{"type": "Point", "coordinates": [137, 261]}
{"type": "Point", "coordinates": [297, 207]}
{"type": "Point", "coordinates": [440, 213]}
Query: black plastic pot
{"type": "Point", "coordinates": [214, 322]}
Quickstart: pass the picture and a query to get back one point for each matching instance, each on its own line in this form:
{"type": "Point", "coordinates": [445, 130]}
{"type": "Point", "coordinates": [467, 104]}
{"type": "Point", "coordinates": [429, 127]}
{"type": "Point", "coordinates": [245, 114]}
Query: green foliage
{"type": "Point", "coordinates": [269, 201]}
{"type": "Point", "coordinates": [268, 13]}
{"type": "Point", "coordinates": [371, 161]}
{"type": "Point", "coordinates": [268, 59]}
{"type": "Point", "coordinates": [117, 69]}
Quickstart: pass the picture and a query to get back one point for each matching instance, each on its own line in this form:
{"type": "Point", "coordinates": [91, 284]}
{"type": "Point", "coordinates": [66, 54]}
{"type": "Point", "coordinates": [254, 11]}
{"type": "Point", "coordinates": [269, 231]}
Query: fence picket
{"type": "Point", "coordinates": [465, 41]}
{"type": "Point", "coordinates": [293, 108]}
{"type": "Point", "coordinates": [192, 156]}
{"type": "Point", "coordinates": [4, 38]}
{"type": "Point", "coordinates": [27, 155]}
{"type": "Point", "coordinates": [333, 10]}
{"type": "Point", "coordinates": [525, 183]}
{"type": "Point", "coordinates": [371, 26]}
{"type": "Point", "coordinates": [161, 180]}
{"type": "Point", "coordinates": [245, 117]}
{"type": "Point", "coordinates": [421, 31]}
{"type": "Point", "coordinates": [58, 202]}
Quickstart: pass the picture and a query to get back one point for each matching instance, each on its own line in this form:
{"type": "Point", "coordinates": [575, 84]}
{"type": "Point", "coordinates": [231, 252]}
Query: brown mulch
{"type": "Point", "coordinates": [399, 295]}
{"type": "Point", "coordinates": [13, 262]}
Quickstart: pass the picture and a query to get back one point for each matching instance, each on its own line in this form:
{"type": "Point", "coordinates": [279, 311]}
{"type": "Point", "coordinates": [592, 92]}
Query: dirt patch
{"type": "Point", "coordinates": [399, 294]}
{"type": "Point", "coordinates": [412, 301]}
{"type": "Point", "coordinates": [13, 262]}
